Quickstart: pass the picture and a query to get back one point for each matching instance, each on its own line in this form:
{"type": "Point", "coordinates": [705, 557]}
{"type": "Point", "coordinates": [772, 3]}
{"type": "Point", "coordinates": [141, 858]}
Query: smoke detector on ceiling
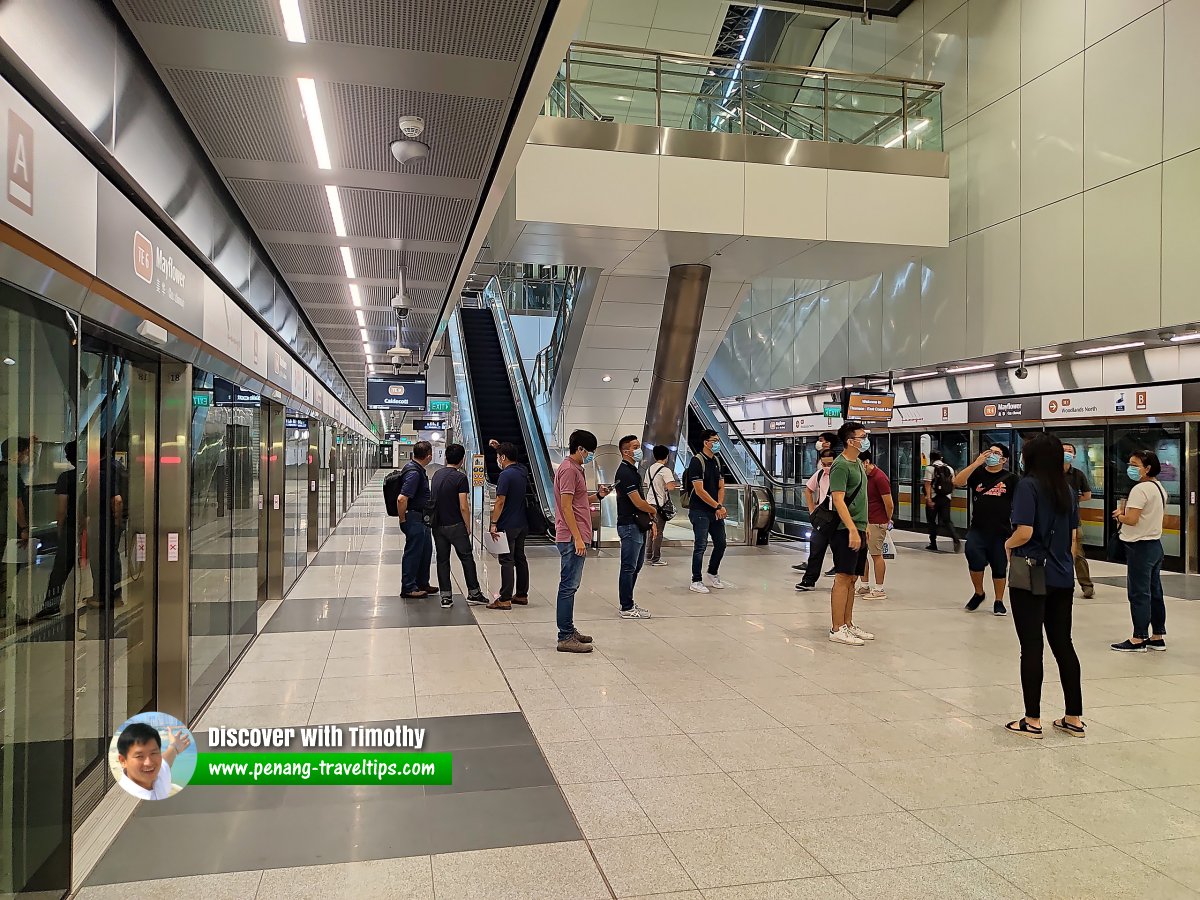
{"type": "Point", "coordinates": [410, 149]}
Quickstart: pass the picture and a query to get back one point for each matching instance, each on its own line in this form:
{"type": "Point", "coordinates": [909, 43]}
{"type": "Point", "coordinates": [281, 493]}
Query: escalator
{"type": "Point", "coordinates": [499, 392]}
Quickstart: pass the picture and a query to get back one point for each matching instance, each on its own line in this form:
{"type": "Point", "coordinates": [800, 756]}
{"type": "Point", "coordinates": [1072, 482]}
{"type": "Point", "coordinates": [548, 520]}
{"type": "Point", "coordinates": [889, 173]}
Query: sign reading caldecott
{"type": "Point", "coordinates": [396, 393]}
{"type": "Point", "coordinates": [138, 259]}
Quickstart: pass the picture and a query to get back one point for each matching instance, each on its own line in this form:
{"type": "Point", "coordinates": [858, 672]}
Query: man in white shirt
{"type": "Point", "coordinates": [659, 483]}
{"type": "Point", "coordinates": [147, 766]}
{"type": "Point", "coordinates": [816, 490]}
{"type": "Point", "coordinates": [939, 497]}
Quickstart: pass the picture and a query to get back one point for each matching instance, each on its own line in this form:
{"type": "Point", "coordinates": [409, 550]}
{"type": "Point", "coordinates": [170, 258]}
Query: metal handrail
{"type": "Point", "coordinates": [750, 65]}
{"type": "Point", "coordinates": [712, 402]}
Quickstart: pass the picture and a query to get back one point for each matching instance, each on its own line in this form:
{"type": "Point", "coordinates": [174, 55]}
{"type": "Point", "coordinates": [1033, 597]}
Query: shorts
{"type": "Point", "coordinates": [987, 550]}
{"type": "Point", "coordinates": [845, 560]}
{"type": "Point", "coordinates": [876, 536]}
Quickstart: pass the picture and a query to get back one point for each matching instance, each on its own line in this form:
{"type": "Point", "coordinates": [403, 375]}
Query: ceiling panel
{"type": "Point", "coordinates": [244, 16]}
{"type": "Point", "coordinates": [278, 206]}
{"type": "Point", "coordinates": [395, 214]}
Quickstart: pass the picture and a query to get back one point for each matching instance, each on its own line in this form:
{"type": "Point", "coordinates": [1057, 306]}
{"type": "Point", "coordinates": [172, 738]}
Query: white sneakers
{"type": "Point", "coordinates": [714, 582]}
{"type": "Point", "coordinates": [875, 594]}
{"type": "Point", "coordinates": [844, 636]}
{"type": "Point", "coordinates": [862, 590]}
{"type": "Point", "coordinates": [851, 636]}
{"type": "Point", "coordinates": [698, 587]}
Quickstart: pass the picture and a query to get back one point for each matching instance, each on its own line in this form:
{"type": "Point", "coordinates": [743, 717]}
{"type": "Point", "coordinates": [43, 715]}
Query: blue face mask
{"type": "Point", "coordinates": [1068, 456]}
{"type": "Point", "coordinates": [637, 455]}
{"type": "Point", "coordinates": [865, 445]}
{"type": "Point", "coordinates": [1134, 473]}
{"type": "Point", "coordinates": [589, 458]}
{"type": "Point", "coordinates": [993, 459]}
{"type": "Point", "coordinates": [716, 446]}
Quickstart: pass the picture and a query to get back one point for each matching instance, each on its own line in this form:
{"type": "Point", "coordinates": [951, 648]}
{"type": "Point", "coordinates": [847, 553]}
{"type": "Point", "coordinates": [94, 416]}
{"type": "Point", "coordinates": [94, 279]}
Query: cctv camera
{"type": "Point", "coordinates": [408, 151]}
{"type": "Point", "coordinates": [1022, 372]}
{"type": "Point", "coordinates": [400, 305]}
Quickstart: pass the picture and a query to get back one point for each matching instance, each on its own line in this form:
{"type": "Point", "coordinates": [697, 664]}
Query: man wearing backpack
{"type": "Point", "coordinates": [418, 541]}
{"type": "Point", "coordinates": [939, 492]}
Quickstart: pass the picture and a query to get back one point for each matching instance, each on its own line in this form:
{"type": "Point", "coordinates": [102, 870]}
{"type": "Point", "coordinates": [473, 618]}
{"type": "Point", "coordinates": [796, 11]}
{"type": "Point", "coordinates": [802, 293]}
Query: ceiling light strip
{"type": "Point", "coordinates": [1088, 351]}
{"type": "Point", "coordinates": [316, 127]}
{"type": "Point", "coordinates": [978, 367]}
{"type": "Point", "coordinates": [348, 265]}
{"type": "Point", "coordinates": [355, 296]}
{"type": "Point", "coordinates": [362, 321]}
{"type": "Point", "coordinates": [335, 210]}
{"type": "Point", "coordinates": [1181, 338]}
{"type": "Point", "coordinates": [293, 23]}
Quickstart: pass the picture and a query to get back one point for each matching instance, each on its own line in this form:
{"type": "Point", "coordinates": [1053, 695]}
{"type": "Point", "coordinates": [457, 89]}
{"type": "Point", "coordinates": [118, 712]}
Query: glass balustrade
{"type": "Point", "coordinates": [606, 83]}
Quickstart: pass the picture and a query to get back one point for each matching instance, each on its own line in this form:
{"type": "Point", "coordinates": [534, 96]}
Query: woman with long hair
{"type": "Point", "coordinates": [1045, 517]}
{"type": "Point", "coordinates": [1141, 520]}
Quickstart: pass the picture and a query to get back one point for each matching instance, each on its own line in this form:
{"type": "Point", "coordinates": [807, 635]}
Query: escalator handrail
{"type": "Point", "coordinates": [535, 443]}
{"type": "Point", "coordinates": [737, 432]}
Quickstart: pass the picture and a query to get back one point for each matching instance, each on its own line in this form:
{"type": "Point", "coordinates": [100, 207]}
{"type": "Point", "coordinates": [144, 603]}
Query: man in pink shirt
{"type": "Point", "coordinates": [573, 520]}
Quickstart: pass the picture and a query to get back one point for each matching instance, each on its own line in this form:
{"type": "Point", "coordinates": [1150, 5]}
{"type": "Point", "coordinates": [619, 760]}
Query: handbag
{"type": "Point", "coordinates": [667, 509]}
{"type": "Point", "coordinates": [641, 519]}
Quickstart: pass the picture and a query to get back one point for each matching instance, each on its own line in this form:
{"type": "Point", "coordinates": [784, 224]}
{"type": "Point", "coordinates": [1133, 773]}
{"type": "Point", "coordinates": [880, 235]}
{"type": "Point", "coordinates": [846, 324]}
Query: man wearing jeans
{"type": "Point", "coordinates": [706, 511]}
{"type": "Point", "coordinates": [572, 520]}
{"type": "Point", "coordinates": [410, 506]}
{"type": "Point", "coordinates": [450, 490]}
{"type": "Point", "coordinates": [509, 518]}
{"type": "Point", "coordinates": [630, 502]}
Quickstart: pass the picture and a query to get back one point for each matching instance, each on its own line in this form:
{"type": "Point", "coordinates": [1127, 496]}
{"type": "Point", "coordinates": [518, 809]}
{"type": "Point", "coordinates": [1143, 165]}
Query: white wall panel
{"type": "Point", "coordinates": [1051, 32]}
{"type": "Point", "coordinates": [994, 163]}
{"type": "Point", "coordinates": [1181, 240]}
{"type": "Point", "coordinates": [955, 142]}
{"type": "Point", "coordinates": [1052, 274]}
{"type": "Point", "coordinates": [936, 10]}
{"type": "Point", "coordinates": [871, 208]}
{"type": "Point", "coordinates": [1181, 77]}
{"type": "Point", "coordinates": [565, 184]}
{"type": "Point", "coordinates": [907, 28]}
{"type": "Point", "coordinates": [786, 201]}
{"type": "Point", "coordinates": [834, 305]}
{"type": "Point", "coordinates": [867, 53]}
{"type": "Point", "coordinates": [1122, 253]}
{"type": "Point", "coordinates": [993, 51]}
{"type": "Point", "coordinates": [1103, 17]}
{"type": "Point", "coordinates": [700, 195]}
{"type": "Point", "coordinates": [638, 315]}
{"type": "Point", "coordinates": [1123, 113]}
{"type": "Point", "coordinates": [1052, 136]}
{"type": "Point", "coordinates": [866, 323]}
{"type": "Point", "coordinates": [902, 316]}
{"type": "Point", "coordinates": [994, 289]}
{"type": "Point", "coordinates": [945, 55]}
{"type": "Point", "coordinates": [806, 348]}
{"type": "Point", "coordinates": [944, 304]}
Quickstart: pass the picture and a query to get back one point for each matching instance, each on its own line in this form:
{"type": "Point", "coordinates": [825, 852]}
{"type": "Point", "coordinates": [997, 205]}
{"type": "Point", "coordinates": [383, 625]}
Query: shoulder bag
{"type": "Point", "coordinates": [825, 517]}
{"type": "Point", "coordinates": [1028, 573]}
{"type": "Point", "coordinates": [666, 508]}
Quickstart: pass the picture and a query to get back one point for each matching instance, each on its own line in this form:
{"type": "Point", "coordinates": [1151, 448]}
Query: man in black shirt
{"type": "Point", "coordinates": [449, 491]}
{"type": "Point", "coordinates": [64, 557]}
{"type": "Point", "coordinates": [706, 510]}
{"type": "Point", "coordinates": [410, 506]}
{"type": "Point", "coordinates": [991, 486]}
{"type": "Point", "coordinates": [630, 502]}
{"type": "Point", "coordinates": [1079, 483]}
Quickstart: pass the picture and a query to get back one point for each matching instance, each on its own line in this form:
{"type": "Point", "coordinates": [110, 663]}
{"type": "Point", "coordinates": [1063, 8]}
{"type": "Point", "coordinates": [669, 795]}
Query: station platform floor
{"type": "Point", "coordinates": [721, 750]}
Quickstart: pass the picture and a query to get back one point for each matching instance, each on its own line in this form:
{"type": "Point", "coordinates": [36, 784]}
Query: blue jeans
{"type": "Point", "coordinates": [1144, 586]}
{"type": "Point", "coordinates": [570, 574]}
{"type": "Point", "coordinates": [704, 524]}
{"type": "Point", "coordinates": [633, 554]}
{"type": "Point", "coordinates": [418, 553]}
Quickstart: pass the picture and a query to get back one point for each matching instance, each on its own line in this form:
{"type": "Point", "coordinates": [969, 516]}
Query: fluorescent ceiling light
{"type": "Point", "coordinates": [915, 128]}
{"type": "Point", "coordinates": [347, 262]}
{"type": "Point", "coordinates": [916, 375]}
{"type": "Point", "coordinates": [358, 314]}
{"type": "Point", "coordinates": [978, 367]}
{"type": "Point", "coordinates": [1178, 339]}
{"type": "Point", "coordinates": [1132, 345]}
{"type": "Point", "coordinates": [746, 39]}
{"type": "Point", "coordinates": [355, 296]}
{"type": "Point", "coordinates": [606, 378]}
{"type": "Point", "coordinates": [365, 337]}
{"type": "Point", "coordinates": [316, 128]}
{"type": "Point", "coordinates": [623, 98]}
{"type": "Point", "coordinates": [1034, 359]}
{"type": "Point", "coordinates": [293, 24]}
{"type": "Point", "coordinates": [335, 210]}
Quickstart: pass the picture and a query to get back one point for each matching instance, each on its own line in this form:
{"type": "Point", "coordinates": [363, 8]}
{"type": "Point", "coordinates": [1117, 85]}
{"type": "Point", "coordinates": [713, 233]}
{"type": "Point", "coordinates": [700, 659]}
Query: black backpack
{"type": "Point", "coordinates": [391, 491]}
{"type": "Point", "coordinates": [943, 481]}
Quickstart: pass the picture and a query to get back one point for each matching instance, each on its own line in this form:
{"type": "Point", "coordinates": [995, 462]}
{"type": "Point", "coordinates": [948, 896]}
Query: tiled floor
{"type": "Point", "coordinates": [722, 750]}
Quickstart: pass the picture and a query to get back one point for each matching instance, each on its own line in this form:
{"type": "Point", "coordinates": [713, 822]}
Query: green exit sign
{"type": "Point", "coordinates": [833, 410]}
{"type": "Point", "coordinates": [439, 406]}
{"type": "Point", "coordinates": [201, 399]}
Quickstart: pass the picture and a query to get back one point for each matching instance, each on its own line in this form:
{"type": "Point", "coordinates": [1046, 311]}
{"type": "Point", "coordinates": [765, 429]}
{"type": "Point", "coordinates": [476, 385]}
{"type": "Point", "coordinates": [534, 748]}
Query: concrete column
{"type": "Point", "coordinates": [687, 288]}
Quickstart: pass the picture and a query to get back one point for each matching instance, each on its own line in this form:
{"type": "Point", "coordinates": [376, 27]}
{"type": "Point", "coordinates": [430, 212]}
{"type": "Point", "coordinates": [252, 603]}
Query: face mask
{"type": "Point", "coordinates": [589, 458]}
{"type": "Point", "coordinates": [865, 445]}
{"type": "Point", "coordinates": [993, 459]}
{"type": "Point", "coordinates": [1068, 456]}
{"type": "Point", "coordinates": [1134, 473]}
{"type": "Point", "coordinates": [637, 455]}
{"type": "Point", "coordinates": [716, 446]}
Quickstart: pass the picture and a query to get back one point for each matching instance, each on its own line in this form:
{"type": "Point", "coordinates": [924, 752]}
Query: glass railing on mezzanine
{"type": "Point", "coordinates": [603, 82]}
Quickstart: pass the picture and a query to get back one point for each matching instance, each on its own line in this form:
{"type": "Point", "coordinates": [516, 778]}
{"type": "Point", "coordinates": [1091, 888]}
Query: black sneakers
{"type": "Point", "coordinates": [447, 602]}
{"type": "Point", "coordinates": [998, 609]}
{"type": "Point", "coordinates": [975, 602]}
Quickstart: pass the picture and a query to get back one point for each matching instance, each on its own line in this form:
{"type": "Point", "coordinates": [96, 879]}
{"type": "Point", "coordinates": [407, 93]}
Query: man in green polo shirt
{"type": "Point", "coordinates": [848, 488]}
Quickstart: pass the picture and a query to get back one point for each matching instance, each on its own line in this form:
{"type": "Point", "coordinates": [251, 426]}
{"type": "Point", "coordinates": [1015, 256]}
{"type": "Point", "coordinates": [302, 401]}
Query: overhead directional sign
{"type": "Point", "coordinates": [402, 392]}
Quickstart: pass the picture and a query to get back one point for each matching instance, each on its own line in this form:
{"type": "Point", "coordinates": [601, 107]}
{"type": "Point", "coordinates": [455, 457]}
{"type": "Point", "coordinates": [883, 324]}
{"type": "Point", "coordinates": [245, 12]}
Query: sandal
{"type": "Point", "coordinates": [1073, 730]}
{"type": "Point", "coordinates": [1024, 729]}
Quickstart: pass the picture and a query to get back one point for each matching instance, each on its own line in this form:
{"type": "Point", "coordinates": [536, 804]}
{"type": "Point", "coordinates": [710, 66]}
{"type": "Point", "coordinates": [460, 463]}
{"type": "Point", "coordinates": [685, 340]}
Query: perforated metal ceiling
{"type": "Point", "coordinates": [233, 74]}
